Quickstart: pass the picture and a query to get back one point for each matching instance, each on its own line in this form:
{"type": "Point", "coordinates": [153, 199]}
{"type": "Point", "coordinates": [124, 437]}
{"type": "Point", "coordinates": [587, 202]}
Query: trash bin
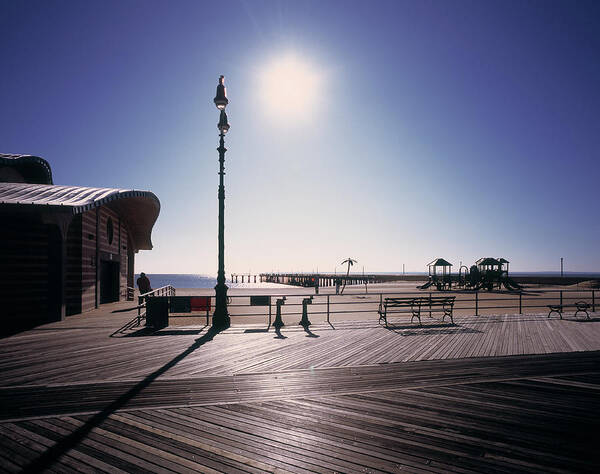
{"type": "Point", "coordinates": [157, 312]}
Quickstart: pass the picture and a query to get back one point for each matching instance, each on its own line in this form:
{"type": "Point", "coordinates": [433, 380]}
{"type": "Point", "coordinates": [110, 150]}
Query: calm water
{"type": "Point", "coordinates": [197, 281]}
{"type": "Point", "coordinates": [205, 281]}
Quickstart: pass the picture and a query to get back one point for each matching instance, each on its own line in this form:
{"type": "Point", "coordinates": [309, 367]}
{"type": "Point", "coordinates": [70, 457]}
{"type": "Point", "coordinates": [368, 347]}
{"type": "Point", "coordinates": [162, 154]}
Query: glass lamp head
{"type": "Point", "coordinates": [221, 97]}
{"type": "Point", "coordinates": [223, 124]}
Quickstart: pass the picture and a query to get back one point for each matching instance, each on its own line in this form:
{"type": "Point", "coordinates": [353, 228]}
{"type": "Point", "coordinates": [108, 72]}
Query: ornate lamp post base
{"type": "Point", "coordinates": [221, 319]}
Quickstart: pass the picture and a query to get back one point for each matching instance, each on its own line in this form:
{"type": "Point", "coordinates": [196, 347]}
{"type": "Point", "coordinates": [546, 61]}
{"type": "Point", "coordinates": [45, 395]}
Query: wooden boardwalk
{"type": "Point", "coordinates": [502, 393]}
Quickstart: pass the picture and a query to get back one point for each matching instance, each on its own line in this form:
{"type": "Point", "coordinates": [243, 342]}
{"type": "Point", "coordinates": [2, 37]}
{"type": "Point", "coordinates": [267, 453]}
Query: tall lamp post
{"type": "Point", "coordinates": [221, 318]}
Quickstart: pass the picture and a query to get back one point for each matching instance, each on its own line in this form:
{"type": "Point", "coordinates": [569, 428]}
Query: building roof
{"type": "Point", "coordinates": [32, 169]}
{"type": "Point", "coordinates": [139, 208]}
{"type": "Point", "coordinates": [439, 262]}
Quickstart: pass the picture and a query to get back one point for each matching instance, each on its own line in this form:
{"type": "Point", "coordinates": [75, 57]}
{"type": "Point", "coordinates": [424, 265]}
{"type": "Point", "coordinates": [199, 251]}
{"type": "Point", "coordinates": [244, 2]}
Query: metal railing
{"type": "Point", "coordinates": [467, 303]}
{"type": "Point", "coordinates": [167, 290]}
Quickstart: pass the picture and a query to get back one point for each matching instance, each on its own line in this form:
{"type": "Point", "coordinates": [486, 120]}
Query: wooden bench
{"type": "Point", "coordinates": [441, 304]}
{"type": "Point", "coordinates": [582, 307]}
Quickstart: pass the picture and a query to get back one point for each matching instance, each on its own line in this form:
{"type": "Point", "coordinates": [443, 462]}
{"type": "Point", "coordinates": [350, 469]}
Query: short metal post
{"type": "Point", "coordinates": [561, 298]}
{"type": "Point", "coordinates": [269, 310]}
{"type": "Point", "coordinates": [593, 301]}
{"type": "Point", "coordinates": [520, 302]}
{"type": "Point", "coordinates": [476, 303]}
{"type": "Point", "coordinates": [430, 304]}
{"type": "Point", "coordinates": [327, 308]}
{"type": "Point", "coordinates": [208, 312]}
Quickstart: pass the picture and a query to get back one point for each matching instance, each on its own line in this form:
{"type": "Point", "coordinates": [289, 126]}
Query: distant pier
{"type": "Point", "coordinates": [244, 278]}
{"type": "Point", "coordinates": [322, 279]}
{"type": "Point", "coordinates": [329, 279]}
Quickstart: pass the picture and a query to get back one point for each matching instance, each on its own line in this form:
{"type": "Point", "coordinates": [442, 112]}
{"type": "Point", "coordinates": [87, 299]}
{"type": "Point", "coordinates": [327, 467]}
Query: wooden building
{"type": "Point", "coordinates": [65, 249]}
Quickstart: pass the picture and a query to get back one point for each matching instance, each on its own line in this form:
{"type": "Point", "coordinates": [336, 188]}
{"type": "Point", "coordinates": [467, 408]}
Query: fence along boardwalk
{"type": "Point", "coordinates": [72, 398]}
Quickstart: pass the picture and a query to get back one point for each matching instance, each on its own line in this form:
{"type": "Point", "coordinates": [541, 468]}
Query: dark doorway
{"type": "Point", "coordinates": [109, 281]}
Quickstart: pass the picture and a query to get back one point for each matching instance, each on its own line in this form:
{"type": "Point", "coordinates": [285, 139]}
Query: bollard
{"type": "Point", "coordinates": [521, 302]}
{"type": "Point", "coordinates": [304, 321]}
{"type": "Point", "coordinates": [278, 321]}
{"type": "Point", "coordinates": [561, 300]}
{"type": "Point", "coordinates": [429, 306]}
{"type": "Point", "coordinates": [270, 305]}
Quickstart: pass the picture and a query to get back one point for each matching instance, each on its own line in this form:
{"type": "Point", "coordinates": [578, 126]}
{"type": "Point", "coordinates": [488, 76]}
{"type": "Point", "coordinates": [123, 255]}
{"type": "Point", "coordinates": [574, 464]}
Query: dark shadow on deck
{"type": "Point", "coordinates": [430, 329]}
{"type": "Point", "coordinates": [64, 445]}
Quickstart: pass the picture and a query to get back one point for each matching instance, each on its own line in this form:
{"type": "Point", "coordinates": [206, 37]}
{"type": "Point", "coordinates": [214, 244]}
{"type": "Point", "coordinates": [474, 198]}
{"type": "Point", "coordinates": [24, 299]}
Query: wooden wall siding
{"type": "Point", "coordinates": [116, 247]}
{"type": "Point", "coordinates": [23, 273]}
{"type": "Point", "coordinates": [88, 260]}
{"type": "Point", "coordinates": [123, 250]}
{"type": "Point", "coordinates": [119, 248]}
{"type": "Point", "coordinates": [74, 267]}
{"type": "Point", "coordinates": [113, 248]}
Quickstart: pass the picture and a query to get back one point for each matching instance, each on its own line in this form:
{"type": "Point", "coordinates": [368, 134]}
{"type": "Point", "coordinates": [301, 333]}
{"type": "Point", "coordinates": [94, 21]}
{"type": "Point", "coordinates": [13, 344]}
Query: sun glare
{"type": "Point", "coordinates": [289, 87]}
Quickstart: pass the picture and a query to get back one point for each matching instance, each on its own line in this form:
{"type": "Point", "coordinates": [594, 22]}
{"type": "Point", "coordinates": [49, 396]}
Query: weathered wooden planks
{"type": "Point", "coordinates": [80, 349]}
{"type": "Point", "coordinates": [351, 399]}
{"type": "Point", "coordinates": [513, 414]}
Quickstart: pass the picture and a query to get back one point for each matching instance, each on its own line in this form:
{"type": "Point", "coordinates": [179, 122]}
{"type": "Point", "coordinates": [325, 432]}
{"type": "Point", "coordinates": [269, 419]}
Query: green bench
{"type": "Point", "coordinates": [439, 304]}
{"type": "Point", "coordinates": [582, 307]}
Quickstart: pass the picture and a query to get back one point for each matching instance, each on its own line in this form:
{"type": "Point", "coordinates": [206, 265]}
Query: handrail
{"type": "Point", "coordinates": [326, 304]}
{"type": "Point", "coordinates": [167, 290]}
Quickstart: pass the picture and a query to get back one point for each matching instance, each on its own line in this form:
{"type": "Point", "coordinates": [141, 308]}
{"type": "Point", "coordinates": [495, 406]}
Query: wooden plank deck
{"type": "Point", "coordinates": [498, 393]}
{"type": "Point", "coordinates": [509, 414]}
{"type": "Point", "coordinates": [80, 349]}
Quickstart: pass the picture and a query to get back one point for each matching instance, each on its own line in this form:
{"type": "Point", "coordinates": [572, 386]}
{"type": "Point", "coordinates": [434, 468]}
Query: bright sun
{"type": "Point", "coordinates": [289, 86]}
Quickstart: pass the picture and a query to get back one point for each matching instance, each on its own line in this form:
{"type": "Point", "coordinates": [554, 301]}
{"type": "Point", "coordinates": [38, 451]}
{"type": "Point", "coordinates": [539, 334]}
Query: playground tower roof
{"type": "Point", "coordinates": [439, 262]}
{"type": "Point", "coordinates": [488, 261]}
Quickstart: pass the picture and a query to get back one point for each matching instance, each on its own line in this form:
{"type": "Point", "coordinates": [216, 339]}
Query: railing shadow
{"type": "Point", "coordinates": [126, 327]}
{"type": "Point", "coordinates": [49, 457]}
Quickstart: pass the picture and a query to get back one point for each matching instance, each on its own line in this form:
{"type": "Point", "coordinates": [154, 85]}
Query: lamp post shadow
{"type": "Point", "coordinates": [49, 457]}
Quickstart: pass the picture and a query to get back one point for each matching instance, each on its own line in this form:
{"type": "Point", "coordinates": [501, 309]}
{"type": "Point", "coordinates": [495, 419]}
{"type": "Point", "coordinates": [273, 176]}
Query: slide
{"type": "Point", "coordinates": [426, 285]}
{"type": "Point", "coordinates": [511, 285]}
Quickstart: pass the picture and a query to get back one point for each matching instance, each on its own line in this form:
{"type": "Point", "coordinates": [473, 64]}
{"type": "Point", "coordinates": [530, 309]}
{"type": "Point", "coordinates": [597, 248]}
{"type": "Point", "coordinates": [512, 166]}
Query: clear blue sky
{"type": "Point", "coordinates": [390, 132]}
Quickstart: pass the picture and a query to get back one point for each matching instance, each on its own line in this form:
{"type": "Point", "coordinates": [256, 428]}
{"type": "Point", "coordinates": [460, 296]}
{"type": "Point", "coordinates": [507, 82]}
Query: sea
{"type": "Point", "coordinates": [185, 280]}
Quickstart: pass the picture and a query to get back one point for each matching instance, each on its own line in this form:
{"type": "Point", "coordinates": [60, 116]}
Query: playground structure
{"type": "Point", "coordinates": [443, 280]}
{"type": "Point", "coordinates": [488, 273]}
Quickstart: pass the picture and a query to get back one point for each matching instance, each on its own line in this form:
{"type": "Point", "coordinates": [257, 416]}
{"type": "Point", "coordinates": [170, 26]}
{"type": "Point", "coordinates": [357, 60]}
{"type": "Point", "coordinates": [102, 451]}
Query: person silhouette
{"type": "Point", "coordinates": [143, 284]}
